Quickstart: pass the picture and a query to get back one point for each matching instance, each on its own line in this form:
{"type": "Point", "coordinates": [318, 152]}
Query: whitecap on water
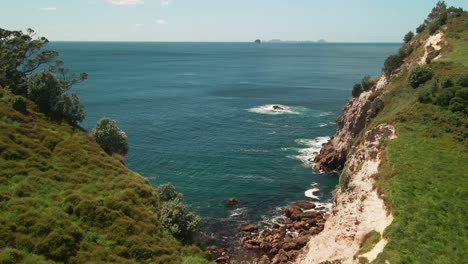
{"type": "Point", "coordinates": [254, 150]}
{"type": "Point", "coordinates": [238, 212]}
{"type": "Point", "coordinates": [276, 109]}
{"type": "Point", "coordinates": [256, 177]}
{"type": "Point", "coordinates": [326, 124]}
{"type": "Point", "coordinates": [311, 193]}
{"type": "Point", "coordinates": [310, 149]}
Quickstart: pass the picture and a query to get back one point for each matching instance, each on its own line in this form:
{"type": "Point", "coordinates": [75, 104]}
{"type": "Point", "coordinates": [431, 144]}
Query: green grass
{"type": "Point", "coordinates": [368, 243]}
{"type": "Point", "coordinates": [195, 260]}
{"type": "Point", "coordinates": [427, 191]}
{"type": "Point", "coordinates": [423, 176]}
{"type": "Point", "coordinates": [63, 199]}
{"type": "Point", "coordinates": [457, 35]}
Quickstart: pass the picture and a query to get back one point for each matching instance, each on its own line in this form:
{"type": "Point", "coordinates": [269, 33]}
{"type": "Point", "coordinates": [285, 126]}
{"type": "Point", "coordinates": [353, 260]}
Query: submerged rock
{"type": "Point", "coordinates": [232, 201]}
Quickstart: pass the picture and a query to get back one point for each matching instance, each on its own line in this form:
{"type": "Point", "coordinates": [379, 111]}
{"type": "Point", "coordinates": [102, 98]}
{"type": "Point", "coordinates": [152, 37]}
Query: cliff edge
{"type": "Point", "coordinates": [401, 147]}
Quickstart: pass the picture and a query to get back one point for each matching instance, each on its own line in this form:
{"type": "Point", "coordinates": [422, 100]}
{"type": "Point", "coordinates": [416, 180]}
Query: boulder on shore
{"type": "Point", "coordinates": [277, 243]}
{"type": "Point", "coordinates": [248, 228]}
{"type": "Point", "coordinates": [304, 205]}
{"type": "Point", "coordinates": [292, 210]}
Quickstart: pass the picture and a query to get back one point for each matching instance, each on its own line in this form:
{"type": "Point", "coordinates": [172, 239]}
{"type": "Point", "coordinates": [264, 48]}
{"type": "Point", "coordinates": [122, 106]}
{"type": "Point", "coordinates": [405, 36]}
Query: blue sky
{"type": "Point", "coordinates": [218, 20]}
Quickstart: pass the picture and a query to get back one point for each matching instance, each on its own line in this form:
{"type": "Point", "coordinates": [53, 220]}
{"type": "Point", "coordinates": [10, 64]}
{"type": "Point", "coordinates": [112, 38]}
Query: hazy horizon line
{"type": "Point", "coordinates": [263, 42]}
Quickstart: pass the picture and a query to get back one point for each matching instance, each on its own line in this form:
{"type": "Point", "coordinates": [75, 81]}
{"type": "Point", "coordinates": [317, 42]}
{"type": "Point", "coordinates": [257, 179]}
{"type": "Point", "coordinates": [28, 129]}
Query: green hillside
{"type": "Point", "coordinates": [63, 199]}
{"type": "Point", "coordinates": [424, 174]}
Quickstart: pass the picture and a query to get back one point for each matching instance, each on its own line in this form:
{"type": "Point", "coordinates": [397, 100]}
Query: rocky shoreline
{"type": "Point", "coordinates": [282, 242]}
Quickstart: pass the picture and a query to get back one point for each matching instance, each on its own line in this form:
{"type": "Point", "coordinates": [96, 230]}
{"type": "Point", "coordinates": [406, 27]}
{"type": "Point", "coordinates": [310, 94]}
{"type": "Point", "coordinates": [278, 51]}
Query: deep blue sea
{"type": "Point", "coordinates": [200, 115]}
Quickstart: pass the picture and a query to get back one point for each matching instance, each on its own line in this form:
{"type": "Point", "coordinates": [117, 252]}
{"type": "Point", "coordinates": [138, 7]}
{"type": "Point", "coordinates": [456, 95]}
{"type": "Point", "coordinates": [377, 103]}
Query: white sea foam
{"type": "Point", "coordinates": [325, 113]}
{"type": "Point", "coordinates": [269, 110]}
{"type": "Point", "coordinates": [310, 150]}
{"type": "Point", "coordinates": [256, 177]}
{"type": "Point", "coordinates": [275, 218]}
{"type": "Point", "coordinates": [311, 193]}
{"type": "Point", "coordinates": [238, 212]}
{"type": "Point", "coordinates": [326, 124]}
{"type": "Point", "coordinates": [326, 205]}
{"type": "Point", "coordinates": [254, 150]}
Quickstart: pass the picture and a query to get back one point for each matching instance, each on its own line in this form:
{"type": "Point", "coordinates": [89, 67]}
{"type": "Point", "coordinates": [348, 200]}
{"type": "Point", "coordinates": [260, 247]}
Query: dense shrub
{"type": "Point", "coordinates": [459, 103]}
{"type": "Point", "coordinates": [463, 80]}
{"type": "Point", "coordinates": [367, 83]}
{"type": "Point", "coordinates": [445, 82]}
{"type": "Point", "coordinates": [420, 28]}
{"type": "Point", "coordinates": [174, 215]}
{"type": "Point", "coordinates": [405, 51]}
{"type": "Point", "coordinates": [425, 97]}
{"type": "Point", "coordinates": [19, 104]}
{"type": "Point", "coordinates": [51, 97]}
{"type": "Point", "coordinates": [108, 135]}
{"type": "Point", "coordinates": [392, 63]}
{"type": "Point", "coordinates": [433, 28]}
{"type": "Point", "coordinates": [44, 89]}
{"type": "Point", "coordinates": [444, 96]}
{"type": "Point", "coordinates": [376, 106]}
{"type": "Point", "coordinates": [419, 75]}
{"type": "Point", "coordinates": [69, 107]}
{"type": "Point", "coordinates": [357, 90]}
{"type": "Point", "coordinates": [11, 256]}
{"type": "Point", "coordinates": [408, 37]}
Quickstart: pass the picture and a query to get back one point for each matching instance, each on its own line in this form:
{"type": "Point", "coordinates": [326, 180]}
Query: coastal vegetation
{"type": "Point", "coordinates": [63, 197]}
{"type": "Point", "coordinates": [419, 75]}
{"type": "Point", "coordinates": [369, 241]}
{"type": "Point", "coordinates": [109, 136]}
{"type": "Point", "coordinates": [365, 85]}
{"type": "Point", "coordinates": [423, 174]}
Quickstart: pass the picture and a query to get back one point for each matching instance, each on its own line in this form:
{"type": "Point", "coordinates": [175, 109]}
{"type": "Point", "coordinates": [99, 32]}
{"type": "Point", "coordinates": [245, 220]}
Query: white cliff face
{"type": "Point", "coordinates": [350, 123]}
{"type": "Point", "coordinates": [434, 42]}
{"type": "Point", "coordinates": [358, 209]}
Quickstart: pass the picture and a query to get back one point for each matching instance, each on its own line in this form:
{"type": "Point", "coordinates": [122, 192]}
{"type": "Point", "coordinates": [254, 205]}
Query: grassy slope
{"type": "Point", "coordinates": [63, 199]}
{"type": "Point", "coordinates": [424, 173]}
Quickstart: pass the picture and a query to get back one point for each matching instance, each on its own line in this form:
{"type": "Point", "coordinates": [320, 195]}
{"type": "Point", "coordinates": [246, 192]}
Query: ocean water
{"type": "Point", "coordinates": [200, 116]}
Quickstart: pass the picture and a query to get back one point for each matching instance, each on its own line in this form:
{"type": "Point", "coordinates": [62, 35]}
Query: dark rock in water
{"type": "Point", "coordinates": [257, 41]}
{"type": "Point", "coordinates": [277, 107]}
{"type": "Point", "coordinates": [248, 228]}
{"type": "Point", "coordinates": [232, 201]}
{"type": "Point", "coordinates": [305, 205]}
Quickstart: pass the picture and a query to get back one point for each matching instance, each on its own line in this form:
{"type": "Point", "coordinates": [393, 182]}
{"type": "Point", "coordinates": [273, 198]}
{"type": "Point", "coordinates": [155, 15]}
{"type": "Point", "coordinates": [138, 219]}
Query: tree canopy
{"type": "Point", "coordinates": [30, 70]}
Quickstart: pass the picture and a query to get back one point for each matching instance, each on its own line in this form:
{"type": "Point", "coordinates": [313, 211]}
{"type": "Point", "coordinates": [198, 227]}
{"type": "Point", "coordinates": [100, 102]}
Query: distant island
{"type": "Point", "coordinates": [297, 41]}
{"type": "Point", "coordinates": [257, 41]}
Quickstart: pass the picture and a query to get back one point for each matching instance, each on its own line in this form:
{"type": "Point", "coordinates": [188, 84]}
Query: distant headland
{"type": "Point", "coordinates": [258, 41]}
